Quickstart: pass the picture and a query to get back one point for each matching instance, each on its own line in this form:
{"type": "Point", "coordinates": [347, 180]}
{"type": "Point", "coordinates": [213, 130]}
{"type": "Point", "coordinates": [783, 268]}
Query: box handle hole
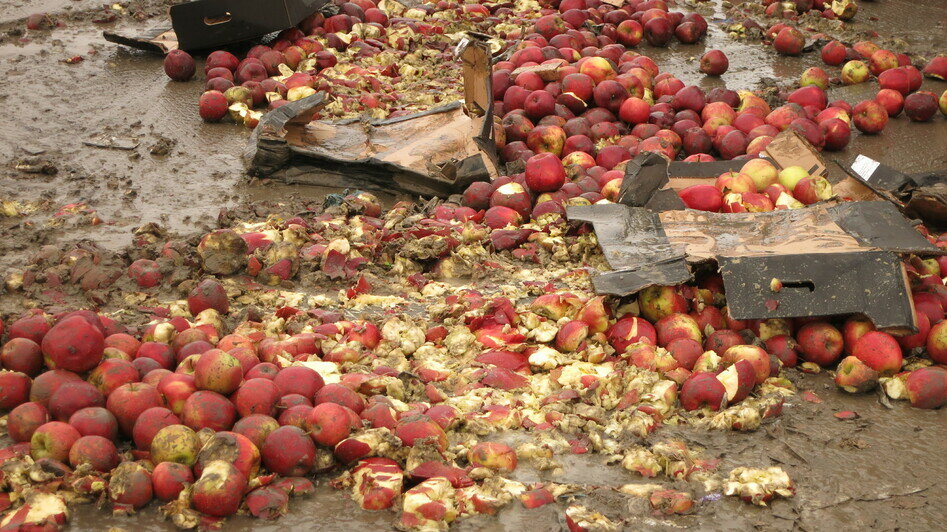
{"type": "Point", "coordinates": [800, 284]}
{"type": "Point", "coordinates": [220, 19]}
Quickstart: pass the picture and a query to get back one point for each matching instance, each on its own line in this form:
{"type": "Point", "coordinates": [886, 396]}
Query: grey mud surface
{"type": "Point", "coordinates": [884, 471]}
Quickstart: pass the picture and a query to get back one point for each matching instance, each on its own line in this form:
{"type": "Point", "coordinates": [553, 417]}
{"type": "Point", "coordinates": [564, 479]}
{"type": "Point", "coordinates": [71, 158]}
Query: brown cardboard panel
{"type": "Point", "coordinates": [852, 188]}
{"type": "Point", "coordinates": [712, 169]}
{"type": "Point", "coordinates": [877, 175]}
{"type": "Point", "coordinates": [789, 148]}
{"type": "Point", "coordinates": [407, 144]}
{"type": "Point", "coordinates": [635, 246]}
{"type": "Point", "coordinates": [644, 175]}
{"type": "Point", "coordinates": [435, 152]}
{"type": "Point", "coordinates": [880, 224]}
{"type": "Point", "coordinates": [548, 72]}
{"type": "Point", "coordinates": [478, 92]}
{"type": "Point", "coordinates": [709, 235]}
{"type": "Point", "coordinates": [930, 204]}
{"type": "Point", "coordinates": [630, 237]}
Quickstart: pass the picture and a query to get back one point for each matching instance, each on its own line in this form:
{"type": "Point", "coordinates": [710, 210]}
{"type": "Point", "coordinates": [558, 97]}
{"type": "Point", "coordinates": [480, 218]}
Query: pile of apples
{"type": "Point", "coordinates": [900, 82]}
{"type": "Point", "coordinates": [211, 413]}
{"type": "Point", "coordinates": [830, 9]}
{"type": "Point", "coordinates": [758, 187]}
{"type": "Point", "coordinates": [388, 60]}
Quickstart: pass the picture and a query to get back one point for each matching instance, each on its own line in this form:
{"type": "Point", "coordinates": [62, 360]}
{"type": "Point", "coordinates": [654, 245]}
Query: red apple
{"type": "Point", "coordinates": [73, 344]}
{"type": "Point", "coordinates": [820, 342]}
{"type": "Point", "coordinates": [207, 409]}
{"type": "Point", "coordinates": [927, 387]}
{"type": "Point", "coordinates": [53, 440]}
{"type": "Point", "coordinates": [714, 63]}
{"type": "Point", "coordinates": [739, 380]}
{"type": "Point", "coordinates": [756, 356]}
{"type": "Point", "coordinates": [130, 486]}
{"type": "Point", "coordinates": [854, 376]}
{"type": "Point", "coordinates": [100, 453]}
{"type": "Point", "coordinates": [703, 389]}
{"type": "Point", "coordinates": [869, 117]}
{"type": "Point", "coordinates": [169, 479]}
{"type": "Point", "coordinates": [256, 428]}
{"type": "Point", "coordinates": [219, 490]}
{"type": "Point", "coordinates": [937, 343]}
{"type": "Point", "coordinates": [72, 397]}
{"type": "Point", "coordinates": [544, 173]}
{"type": "Point", "coordinates": [329, 423]}
{"type": "Point", "coordinates": [23, 421]}
{"type": "Point", "coordinates": [218, 371]}
{"type": "Point", "coordinates": [95, 421]}
{"type": "Point", "coordinates": [880, 351]}
{"type": "Point", "coordinates": [289, 451]}
{"type": "Point", "coordinates": [23, 355]}
{"type": "Point", "coordinates": [657, 302]}
{"type": "Point", "coordinates": [128, 401]}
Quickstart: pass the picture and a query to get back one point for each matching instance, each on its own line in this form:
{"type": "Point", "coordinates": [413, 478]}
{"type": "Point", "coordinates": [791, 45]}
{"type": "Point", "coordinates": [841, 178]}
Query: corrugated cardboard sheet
{"type": "Point", "coordinates": [437, 152]}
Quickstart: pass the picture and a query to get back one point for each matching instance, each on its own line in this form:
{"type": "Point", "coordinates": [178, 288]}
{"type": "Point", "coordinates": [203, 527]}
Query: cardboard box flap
{"type": "Point", "coordinates": [546, 71]}
{"type": "Point", "coordinates": [618, 226]}
{"type": "Point", "coordinates": [789, 148]}
{"type": "Point", "coordinates": [475, 55]}
{"type": "Point", "coordinates": [877, 175]}
{"type": "Point", "coordinates": [654, 260]}
{"type": "Point", "coordinates": [156, 40]}
{"type": "Point", "coordinates": [868, 282]}
{"type": "Point", "coordinates": [929, 203]}
{"type": "Point", "coordinates": [922, 195]}
{"type": "Point", "coordinates": [646, 183]}
{"type": "Point", "coordinates": [710, 169]}
{"type": "Point", "coordinates": [821, 228]}
{"type": "Point", "coordinates": [440, 158]}
{"type": "Point", "coordinates": [709, 235]}
{"type": "Point", "coordinates": [881, 225]}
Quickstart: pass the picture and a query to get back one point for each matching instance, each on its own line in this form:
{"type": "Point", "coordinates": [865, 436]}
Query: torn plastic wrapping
{"type": "Point", "coordinates": [433, 153]}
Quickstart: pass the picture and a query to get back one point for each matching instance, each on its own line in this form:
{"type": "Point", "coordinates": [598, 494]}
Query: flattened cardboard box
{"type": "Point", "coordinates": [433, 153]}
{"type": "Point", "coordinates": [831, 259]}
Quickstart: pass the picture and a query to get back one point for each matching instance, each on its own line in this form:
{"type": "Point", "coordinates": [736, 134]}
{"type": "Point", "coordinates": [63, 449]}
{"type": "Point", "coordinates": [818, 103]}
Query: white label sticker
{"type": "Point", "coordinates": [865, 167]}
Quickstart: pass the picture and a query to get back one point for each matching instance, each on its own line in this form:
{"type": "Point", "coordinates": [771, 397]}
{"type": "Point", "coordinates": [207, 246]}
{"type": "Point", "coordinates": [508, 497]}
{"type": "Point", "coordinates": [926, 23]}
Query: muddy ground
{"type": "Point", "coordinates": [885, 470]}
